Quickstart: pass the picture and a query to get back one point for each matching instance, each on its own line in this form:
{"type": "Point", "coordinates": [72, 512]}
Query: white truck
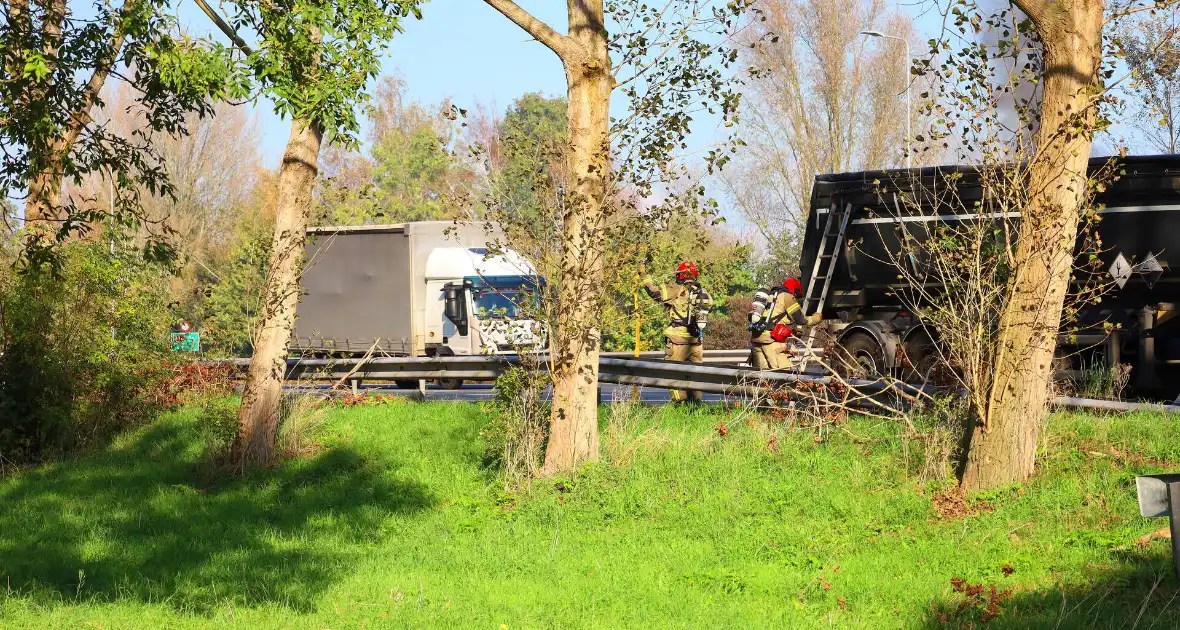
{"type": "Point", "coordinates": [429, 288]}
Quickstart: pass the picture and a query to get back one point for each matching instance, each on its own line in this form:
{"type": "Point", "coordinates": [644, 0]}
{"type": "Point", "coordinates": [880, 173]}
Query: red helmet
{"type": "Point", "coordinates": [793, 286]}
{"type": "Point", "coordinates": [687, 271]}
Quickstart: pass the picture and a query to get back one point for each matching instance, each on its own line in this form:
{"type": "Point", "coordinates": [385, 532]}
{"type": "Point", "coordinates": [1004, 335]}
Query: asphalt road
{"type": "Point", "coordinates": [485, 393]}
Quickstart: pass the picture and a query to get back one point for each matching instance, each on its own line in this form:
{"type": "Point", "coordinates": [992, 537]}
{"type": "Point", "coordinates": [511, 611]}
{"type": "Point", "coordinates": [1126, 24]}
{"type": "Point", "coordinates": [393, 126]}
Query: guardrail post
{"type": "Point", "coordinates": [356, 387]}
{"type": "Point", "coordinates": [1159, 495]}
{"type": "Point", "coordinates": [1174, 524]}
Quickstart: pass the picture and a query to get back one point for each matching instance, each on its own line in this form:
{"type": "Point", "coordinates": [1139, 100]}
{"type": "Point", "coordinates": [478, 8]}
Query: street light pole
{"type": "Point", "coordinates": [909, 132]}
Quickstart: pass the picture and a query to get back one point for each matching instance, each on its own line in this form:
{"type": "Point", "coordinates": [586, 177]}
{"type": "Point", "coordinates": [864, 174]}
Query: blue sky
{"type": "Point", "coordinates": [462, 49]}
{"type": "Point", "coordinates": [466, 51]}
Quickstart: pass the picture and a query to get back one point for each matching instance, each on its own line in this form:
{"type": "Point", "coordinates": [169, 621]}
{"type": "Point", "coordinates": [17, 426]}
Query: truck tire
{"type": "Point", "coordinates": [446, 383]}
{"type": "Point", "coordinates": [922, 356]}
{"type": "Point", "coordinates": [861, 356]}
{"type": "Point", "coordinates": [406, 384]}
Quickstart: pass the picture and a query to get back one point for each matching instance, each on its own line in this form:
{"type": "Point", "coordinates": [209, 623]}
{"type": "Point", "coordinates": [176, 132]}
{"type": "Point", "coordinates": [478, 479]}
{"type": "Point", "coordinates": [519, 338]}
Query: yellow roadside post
{"type": "Point", "coordinates": [638, 319]}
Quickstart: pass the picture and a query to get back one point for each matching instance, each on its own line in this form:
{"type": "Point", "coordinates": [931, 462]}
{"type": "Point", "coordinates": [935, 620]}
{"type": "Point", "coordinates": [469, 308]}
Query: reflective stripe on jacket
{"type": "Point", "coordinates": [685, 303]}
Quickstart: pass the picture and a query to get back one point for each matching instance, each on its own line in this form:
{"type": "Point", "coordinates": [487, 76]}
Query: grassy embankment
{"type": "Point", "coordinates": [394, 523]}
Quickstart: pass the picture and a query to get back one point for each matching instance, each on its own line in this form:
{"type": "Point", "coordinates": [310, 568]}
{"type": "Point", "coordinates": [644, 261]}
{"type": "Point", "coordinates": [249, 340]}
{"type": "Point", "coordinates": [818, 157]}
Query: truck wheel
{"type": "Point", "coordinates": [406, 384]}
{"type": "Point", "coordinates": [449, 383]}
{"type": "Point", "coordinates": [923, 357]}
{"type": "Point", "coordinates": [862, 357]}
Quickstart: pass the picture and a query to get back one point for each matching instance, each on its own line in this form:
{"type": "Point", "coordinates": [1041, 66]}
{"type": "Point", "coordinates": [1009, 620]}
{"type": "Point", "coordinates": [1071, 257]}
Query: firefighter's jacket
{"type": "Point", "coordinates": [687, 305]}
{"type": "Point", "coordinates": [772, 307]}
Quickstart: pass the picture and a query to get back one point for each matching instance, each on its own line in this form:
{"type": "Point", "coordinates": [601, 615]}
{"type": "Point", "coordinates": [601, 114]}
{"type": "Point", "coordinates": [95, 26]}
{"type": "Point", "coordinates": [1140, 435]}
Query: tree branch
{"type": "Point", "coordinates": [1118, 15]}
{"type": "Point", "coordinates": [81, 116]}
{"type": "Point", "coordinates": [564, 47]}
{"type": "Point", "coordinates": [225, 28]}
{"type": "Point", "coordinates": [1037, 10]}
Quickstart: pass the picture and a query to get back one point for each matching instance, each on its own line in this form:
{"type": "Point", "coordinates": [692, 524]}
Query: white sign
{"type": "Point", "coordinates": [1120, 270]}
{"type": "Point", "coordinates": [1149, 265]}
{"type": "Point", "coordinates": [1151, 269]}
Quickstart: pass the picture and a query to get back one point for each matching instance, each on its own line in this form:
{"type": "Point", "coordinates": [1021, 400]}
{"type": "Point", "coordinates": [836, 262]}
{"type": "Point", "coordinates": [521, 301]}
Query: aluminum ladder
{"type": "Point", "coordinates": [826, 256]}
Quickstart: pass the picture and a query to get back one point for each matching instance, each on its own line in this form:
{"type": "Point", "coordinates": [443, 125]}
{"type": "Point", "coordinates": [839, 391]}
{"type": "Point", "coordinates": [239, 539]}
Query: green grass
{"type": "Point", "coordinates": [396, 524]}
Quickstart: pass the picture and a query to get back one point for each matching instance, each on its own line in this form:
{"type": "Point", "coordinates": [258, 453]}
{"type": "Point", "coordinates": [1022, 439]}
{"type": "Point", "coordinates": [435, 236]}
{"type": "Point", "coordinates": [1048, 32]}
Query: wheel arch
{"type": "Point", "coordinates": [919, 328]}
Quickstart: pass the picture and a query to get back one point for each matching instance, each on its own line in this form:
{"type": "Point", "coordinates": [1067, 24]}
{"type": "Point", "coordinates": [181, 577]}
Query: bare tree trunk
{"type": "Point", "coordinates": [1003, 446]}
{"type": "Point", "coordinates": [573, 425]}
{"type": "Point", "coordinates": [258, 417]}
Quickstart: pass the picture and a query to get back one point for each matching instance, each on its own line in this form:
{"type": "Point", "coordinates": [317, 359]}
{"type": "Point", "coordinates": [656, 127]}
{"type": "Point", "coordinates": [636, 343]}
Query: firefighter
{"type": "Point", "coordinates": [688, 307]}
{"type": "Point", "coordinates": [770, 317]}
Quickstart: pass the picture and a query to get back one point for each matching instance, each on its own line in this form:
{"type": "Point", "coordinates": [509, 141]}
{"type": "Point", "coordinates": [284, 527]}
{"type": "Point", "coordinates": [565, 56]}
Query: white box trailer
{"type": "Point", "coordinates": [386, 286]}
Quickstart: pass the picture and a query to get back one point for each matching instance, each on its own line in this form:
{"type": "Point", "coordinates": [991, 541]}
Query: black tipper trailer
{"type": "Point", "coordinates": [1140, 221]}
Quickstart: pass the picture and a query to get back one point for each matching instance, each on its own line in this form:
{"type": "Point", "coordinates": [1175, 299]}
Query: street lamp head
{"type": "Point", "coordinates": [872, 33]}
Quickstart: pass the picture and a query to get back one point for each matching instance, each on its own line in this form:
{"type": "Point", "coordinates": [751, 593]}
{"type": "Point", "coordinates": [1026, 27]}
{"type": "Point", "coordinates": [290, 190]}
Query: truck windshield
{"type": "Point", "coordinates": [499, 303]}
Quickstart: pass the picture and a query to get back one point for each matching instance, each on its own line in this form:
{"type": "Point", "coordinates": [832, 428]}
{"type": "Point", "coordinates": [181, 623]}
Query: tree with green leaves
{"type": "Point", "coordinates": [531, 138]}
{"type": "Point", "coordinates": [314, 59]}
{"type": "Point", "coordinates": [55, 64]}
{"type": "Point", "coordinates": [410, 172]}
{"type": "Point", "coordinates": [667, 62]}
{"type": "Point", "coordinates": [235, 298]}
{"type": "Point", "coordinates": [1073, 105]}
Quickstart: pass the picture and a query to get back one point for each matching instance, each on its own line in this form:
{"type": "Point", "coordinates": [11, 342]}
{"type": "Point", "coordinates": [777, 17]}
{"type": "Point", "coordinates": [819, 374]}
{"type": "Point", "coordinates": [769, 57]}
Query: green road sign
{"type": "Point", "coordinates": [186, 342]}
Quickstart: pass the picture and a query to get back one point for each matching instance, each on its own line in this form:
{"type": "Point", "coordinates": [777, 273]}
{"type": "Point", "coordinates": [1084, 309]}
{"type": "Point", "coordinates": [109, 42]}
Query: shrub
{"type": "Point", "coordinates": [516, 436]}
{"type": "Point", "coordinates": [301, 417]}
{"type": "Point", "coordinates": [218, 423]}
{"type": "Point", "coordinates": [82, 351]}
{"type": "Point", "coordinates": [728, 328]}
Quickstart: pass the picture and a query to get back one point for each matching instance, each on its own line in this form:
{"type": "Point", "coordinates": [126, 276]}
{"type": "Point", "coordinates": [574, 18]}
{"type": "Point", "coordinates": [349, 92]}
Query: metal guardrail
{"type": "Point", "coordinates": [658, 373]}
{"type": "Point", "coordinates": [627, 370]}
{"type": "Point", "coordinates": [480, 367]}
{"type": "Point", "coordinates": [710, 356]}
{"type": "Point", "coordinates": [392, 368]}
{"type": "Point", "coordinates": [728, 380]}
{"type": "Point", "coordinates": [1113, 405]}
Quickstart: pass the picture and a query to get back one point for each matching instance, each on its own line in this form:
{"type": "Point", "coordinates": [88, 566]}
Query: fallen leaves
{"type": "Point", "coordinates": [985, 599]}
{"type": "Point", "coordinates": [772, 444]}
{"type": "Point", "coordinates": [366, 400]}
{"type": "Point", "coordinates": [953, 504]}
{"type": "Point", "coordinates": [1163, 532]}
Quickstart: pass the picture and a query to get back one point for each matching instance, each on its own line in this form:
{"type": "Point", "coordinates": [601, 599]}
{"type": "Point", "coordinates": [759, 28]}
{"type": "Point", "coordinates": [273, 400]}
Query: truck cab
{"type": "Point", "coordinates": [481, 302]}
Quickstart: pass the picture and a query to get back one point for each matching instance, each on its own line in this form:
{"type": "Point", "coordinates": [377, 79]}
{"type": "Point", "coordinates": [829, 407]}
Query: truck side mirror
{"type": "Point", "coordinates": [455, 306]}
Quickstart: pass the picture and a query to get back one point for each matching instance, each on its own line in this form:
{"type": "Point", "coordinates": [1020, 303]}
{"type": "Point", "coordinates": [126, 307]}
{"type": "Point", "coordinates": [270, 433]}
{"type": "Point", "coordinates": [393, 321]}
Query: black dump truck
{"type": "Point", "coordinates": [856, 226]}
